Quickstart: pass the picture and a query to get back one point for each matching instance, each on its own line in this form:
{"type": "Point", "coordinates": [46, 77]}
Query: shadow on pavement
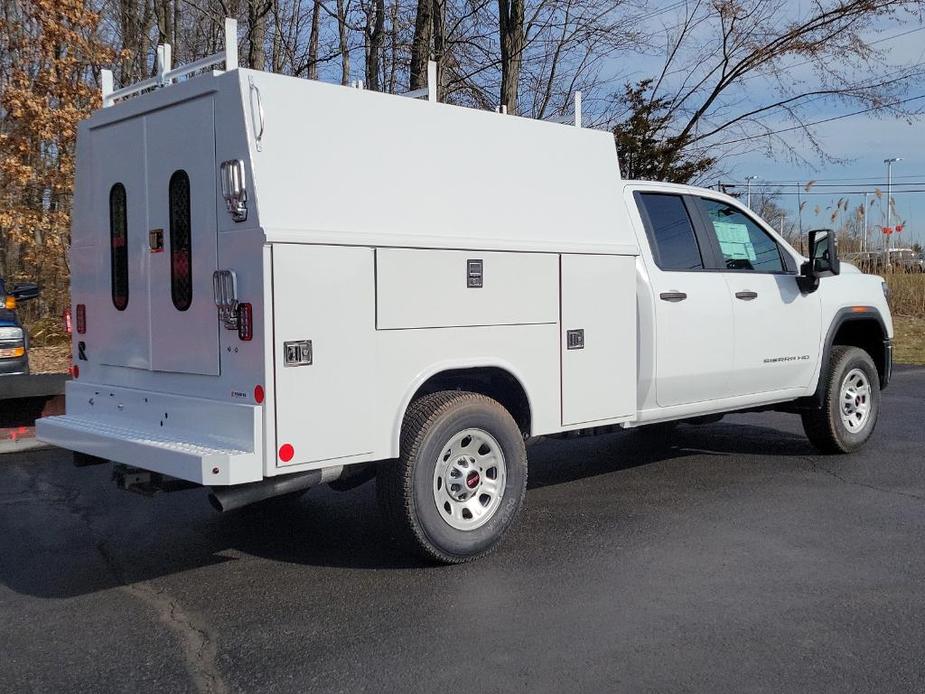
{"type": "Point", "coordinates": [68, 532]}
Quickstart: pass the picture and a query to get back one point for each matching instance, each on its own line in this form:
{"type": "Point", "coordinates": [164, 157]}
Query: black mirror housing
{"type": "Point", "coordinates": [823, 249]}
{"type": "Point", "coordinates": [24, 291]}
{"type": "Point", "coordinates": [823, 260]}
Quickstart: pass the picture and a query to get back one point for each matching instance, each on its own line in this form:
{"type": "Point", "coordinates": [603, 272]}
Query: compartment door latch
{"type": "Point", "coordinates": [298, 352]}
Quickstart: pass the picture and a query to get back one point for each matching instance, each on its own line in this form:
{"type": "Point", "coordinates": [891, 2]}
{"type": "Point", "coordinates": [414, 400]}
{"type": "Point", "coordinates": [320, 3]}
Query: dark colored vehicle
{"type": "Point", "coordinates": [14, 342]}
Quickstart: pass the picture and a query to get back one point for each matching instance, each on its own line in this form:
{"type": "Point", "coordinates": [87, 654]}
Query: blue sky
{"type": "Point", "coordinates": [861, 143]}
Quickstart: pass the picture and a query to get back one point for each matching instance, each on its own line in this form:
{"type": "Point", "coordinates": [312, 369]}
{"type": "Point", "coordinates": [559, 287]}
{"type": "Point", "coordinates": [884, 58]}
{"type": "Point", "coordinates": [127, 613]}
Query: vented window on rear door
{"type": "Point", "coordinates": [181, 280]}
{"type": "Point", "coordinates": [118, 246]}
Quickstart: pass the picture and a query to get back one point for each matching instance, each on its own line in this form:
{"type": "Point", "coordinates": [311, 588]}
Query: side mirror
{"type": "Point", "coordinates": [823, 260]}
{"type": "Point", "coordinates": [24, 291]}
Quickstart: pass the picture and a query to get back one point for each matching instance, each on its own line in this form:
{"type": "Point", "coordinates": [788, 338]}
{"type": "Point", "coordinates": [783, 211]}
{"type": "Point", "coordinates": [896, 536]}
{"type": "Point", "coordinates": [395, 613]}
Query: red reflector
{"type": "Point", "coordinates": [75, 371]}
{"type": "Point", "coordinates": [245, 322]}
{"type": "Point", "coordinates": [81, 318]}
{"type": "Point", "coordinates": [258, 394]}
{"type": "Point", "coordinates": [286, 451]}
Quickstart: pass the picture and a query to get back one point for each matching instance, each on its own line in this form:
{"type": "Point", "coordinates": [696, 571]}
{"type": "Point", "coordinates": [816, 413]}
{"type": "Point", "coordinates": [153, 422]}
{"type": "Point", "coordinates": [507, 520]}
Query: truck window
{"type": "Point", "coordinates": [670, 231]}
{"type": "Point", "coordinates": [744, 245]}
{"type": "Point", "coordinates": [118, 246]}
{"type": "Point", "coordinates": [181, 281]}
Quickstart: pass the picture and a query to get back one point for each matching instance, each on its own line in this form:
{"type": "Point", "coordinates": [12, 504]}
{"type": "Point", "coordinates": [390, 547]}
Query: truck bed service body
{"type": "Point", "coordinates": [279, 282]}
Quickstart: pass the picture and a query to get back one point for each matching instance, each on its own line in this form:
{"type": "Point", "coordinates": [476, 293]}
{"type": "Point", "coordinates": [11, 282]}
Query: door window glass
{"type": "Point", "coordinates": [181, 280]}
{"type": "Point", "coordinates": [744, 244]}
{"type": "Point", "coordinates": [671, 233]}
{"type": "Point", "coordinates": [118, 246]}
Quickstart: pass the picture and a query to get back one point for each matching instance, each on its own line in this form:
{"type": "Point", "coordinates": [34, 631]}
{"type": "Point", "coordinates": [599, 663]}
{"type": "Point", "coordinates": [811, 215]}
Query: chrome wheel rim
{"type": "Point", "coordinates": [854, 403]}
{"type": "Point", "coordinates": [469, 479]}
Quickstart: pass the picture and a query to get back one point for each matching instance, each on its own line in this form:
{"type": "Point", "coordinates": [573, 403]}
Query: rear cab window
{"type": "Point", "coordinates": [670, 231]}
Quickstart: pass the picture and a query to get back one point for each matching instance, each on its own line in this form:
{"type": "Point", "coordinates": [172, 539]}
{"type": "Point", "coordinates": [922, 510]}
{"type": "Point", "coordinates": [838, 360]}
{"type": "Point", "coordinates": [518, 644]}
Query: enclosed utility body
{"type": "Point", "coordinates": [368, 267]}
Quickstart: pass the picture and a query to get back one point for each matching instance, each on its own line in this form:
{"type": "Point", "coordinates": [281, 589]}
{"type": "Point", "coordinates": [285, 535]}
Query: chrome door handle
{"type": "Point", "coordinates": [255, 90]}
{"type": "Point", "coordinates": [672, 296]}
{"type": "Point", "coordinates": [746, 296]}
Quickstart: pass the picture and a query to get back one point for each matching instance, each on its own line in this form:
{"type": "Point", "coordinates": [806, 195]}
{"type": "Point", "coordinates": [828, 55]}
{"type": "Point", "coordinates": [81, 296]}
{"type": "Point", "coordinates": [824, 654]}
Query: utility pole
{"type": "Point", "coordinates": [866, 195]}
{"type": "Point", "coordinates": [889, 204]}
{"type": "Point", "coordinates": [748, 190]}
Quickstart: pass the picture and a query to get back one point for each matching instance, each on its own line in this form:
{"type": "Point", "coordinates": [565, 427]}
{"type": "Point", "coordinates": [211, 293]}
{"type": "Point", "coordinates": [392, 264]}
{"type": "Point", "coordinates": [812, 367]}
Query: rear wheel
{"type": "Point", "coordinates": [850, 405]}
{"type": "Point", "coordinates": [460, 480]}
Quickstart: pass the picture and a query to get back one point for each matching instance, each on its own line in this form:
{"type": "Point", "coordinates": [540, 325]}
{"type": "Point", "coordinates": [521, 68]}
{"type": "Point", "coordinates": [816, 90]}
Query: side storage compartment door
{"type": "Point", "coordinates": [324, 351]}
{"type": "Point", "coordinates": [598, 338]}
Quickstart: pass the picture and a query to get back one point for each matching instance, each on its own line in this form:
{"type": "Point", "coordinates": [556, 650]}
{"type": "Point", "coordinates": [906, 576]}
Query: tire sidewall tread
{"type": "Point", "coordinates": [405, 486]}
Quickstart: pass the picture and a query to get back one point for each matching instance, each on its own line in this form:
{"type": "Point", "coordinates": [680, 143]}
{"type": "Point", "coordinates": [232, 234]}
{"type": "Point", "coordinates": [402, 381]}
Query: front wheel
{"type": "Point", "coordinates": [460, 480]}
{"type": "Point", "coordinates": [850, 406]}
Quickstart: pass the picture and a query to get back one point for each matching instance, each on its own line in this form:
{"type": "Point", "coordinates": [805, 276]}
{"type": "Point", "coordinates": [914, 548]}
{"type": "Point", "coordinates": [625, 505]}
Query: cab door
{"type": "Point", "coordinates": [777, 328]}
{"type": "Point", "coordinates": [693, 311]}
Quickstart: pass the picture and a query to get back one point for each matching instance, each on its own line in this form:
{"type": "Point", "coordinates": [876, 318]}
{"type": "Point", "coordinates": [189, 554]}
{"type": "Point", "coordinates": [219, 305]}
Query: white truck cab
{"type": "Point", "coordinates": [279, 283]}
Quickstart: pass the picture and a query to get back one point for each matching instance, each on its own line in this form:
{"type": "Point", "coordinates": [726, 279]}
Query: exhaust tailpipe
{"type": "Point", "coordinates": [229, 498]}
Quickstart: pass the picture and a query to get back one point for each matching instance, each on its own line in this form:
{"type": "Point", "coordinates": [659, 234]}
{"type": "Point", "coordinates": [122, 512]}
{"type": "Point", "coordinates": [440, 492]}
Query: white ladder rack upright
{"type": "Point", "coordinates": [165, 75]}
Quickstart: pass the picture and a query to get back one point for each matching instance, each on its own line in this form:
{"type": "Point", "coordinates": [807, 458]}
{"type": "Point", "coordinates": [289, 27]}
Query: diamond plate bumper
{"type": "Point", "coordinates": [203, 441]}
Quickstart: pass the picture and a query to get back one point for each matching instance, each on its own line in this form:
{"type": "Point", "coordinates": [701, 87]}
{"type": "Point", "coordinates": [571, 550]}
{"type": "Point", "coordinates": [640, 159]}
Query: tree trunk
{"type": "Point", "coordinates": [313, 41]}
{"type": "Point", "coordinates": [420, 46]}
{"type": "Point", "coordinates": [257, 32]}
{"type": "Point", "coordinates": [374, 50]}
{"type": "Point", "coordinates": [343, 44]}
{"type": "Point", "coordinates": [511, 33]}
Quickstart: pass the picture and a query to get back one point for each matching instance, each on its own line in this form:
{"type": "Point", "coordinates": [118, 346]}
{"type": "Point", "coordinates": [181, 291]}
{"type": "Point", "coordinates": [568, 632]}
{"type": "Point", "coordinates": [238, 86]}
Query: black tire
{"type": "Point", "coordinates": [406, 487]}
{"type": "Point", "coordinates": [824, 426]}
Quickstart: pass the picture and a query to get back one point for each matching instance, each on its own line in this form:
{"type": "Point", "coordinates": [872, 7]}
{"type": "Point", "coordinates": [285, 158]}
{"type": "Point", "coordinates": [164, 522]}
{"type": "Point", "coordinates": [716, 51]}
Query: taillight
{"type": "Point", "coordinates": [245, 322]}
{"type": "Point", "coordinates": [81, 319]}
{"type": "Point", "coordinates": [75, 371]}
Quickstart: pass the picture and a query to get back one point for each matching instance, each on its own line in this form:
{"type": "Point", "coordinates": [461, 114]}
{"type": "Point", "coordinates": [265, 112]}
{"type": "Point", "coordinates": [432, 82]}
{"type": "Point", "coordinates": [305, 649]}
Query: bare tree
{"type": "Point", "coordinates": [511, 34]}
{"type": "Point", "coordinates": [741, 74]}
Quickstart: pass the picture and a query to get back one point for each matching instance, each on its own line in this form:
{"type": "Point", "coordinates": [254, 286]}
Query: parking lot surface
{"type": "Point", "coordinates": [734, 558]}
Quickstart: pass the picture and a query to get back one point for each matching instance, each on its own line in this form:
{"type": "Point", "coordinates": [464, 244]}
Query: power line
{"type": "Point", "coordinates": [804, 126]}
{"type": "Point", "coordinates": [854, 180]}
{"type": "Point", "coordinates": [841, 192]}
{"type": "Point", "coordinates": [818, 185]}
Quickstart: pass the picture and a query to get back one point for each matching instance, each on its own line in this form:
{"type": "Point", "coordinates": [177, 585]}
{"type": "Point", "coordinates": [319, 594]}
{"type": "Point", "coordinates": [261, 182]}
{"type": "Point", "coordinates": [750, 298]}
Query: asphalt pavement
{"type": "Point", "coordinates": [734, 559]}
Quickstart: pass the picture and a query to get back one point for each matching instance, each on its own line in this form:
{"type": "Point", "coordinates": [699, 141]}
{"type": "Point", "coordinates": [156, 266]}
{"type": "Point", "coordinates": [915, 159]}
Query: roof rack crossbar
{"type": "Point", "coordinates": [166, 75]}
{"type": "Point", "coordinates": [430, 91]}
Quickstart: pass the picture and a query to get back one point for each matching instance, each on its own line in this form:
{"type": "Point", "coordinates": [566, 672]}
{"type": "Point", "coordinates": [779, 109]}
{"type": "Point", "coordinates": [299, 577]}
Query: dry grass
{"type": "Point", "coordinates": [908, 294]}
{"type": "Point", "coordinates": [909, 340]}
{"type": "Point", "coordinates": [48, 360]}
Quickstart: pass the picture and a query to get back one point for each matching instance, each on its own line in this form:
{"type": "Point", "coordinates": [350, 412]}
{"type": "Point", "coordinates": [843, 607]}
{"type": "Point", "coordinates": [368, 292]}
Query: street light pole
{"type": "Point", "coordinates": [748, 189]}
{"type": "Point", "coordinates": [889, 204]}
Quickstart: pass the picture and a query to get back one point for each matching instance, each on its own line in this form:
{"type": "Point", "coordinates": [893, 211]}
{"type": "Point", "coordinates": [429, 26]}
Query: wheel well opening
{"type": "Point", "coordinates": [866, 334]}
{"type": "Point", "coordinates": [494, 382]}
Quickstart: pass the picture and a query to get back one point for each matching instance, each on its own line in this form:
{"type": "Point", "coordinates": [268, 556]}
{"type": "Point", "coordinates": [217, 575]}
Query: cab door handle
{"type": "Point", "coordinates": [746, 296]}
{"type": "Point", "coordinates": [672, 296]}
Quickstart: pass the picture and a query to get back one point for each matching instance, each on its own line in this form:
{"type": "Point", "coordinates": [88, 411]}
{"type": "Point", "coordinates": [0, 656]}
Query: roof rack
{"type": "Point", "coordinates": [165, 75]}
{"type": "Point", "coordinates": [229, 58]}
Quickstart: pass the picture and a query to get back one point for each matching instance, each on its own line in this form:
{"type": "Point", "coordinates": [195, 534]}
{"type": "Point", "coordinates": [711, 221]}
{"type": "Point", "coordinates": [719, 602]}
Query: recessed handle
{"type": "Point", "coordinates": [746, 296]}
{"type": "Point", "coordinates": [672, 296]}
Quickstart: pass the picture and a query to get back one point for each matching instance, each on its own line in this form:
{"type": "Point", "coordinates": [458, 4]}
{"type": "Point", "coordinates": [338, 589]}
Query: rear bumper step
{"type": "Point", "coordinates": [218, 444]}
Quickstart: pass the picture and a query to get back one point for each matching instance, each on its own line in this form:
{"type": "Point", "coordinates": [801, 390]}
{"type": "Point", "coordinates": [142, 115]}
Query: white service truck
{"type": "Point", "coordinates": [278, 283]}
